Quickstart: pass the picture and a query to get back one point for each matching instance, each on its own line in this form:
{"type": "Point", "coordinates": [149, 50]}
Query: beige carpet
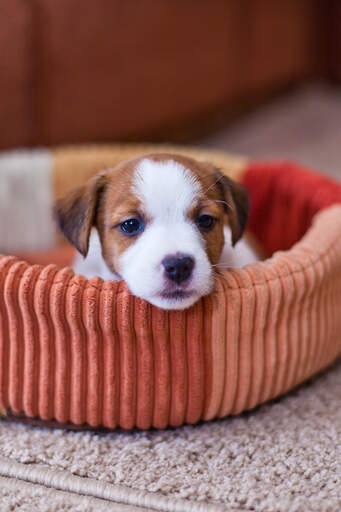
{"type": "Point", "coordinates": [285, 456]}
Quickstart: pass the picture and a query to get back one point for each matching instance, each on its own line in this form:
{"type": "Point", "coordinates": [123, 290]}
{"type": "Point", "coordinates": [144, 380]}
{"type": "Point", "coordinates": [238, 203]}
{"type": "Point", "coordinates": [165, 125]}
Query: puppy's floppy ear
{"type": "Point", "coordinates": [237, 207]}
{"type": "Point", "coordinates": [76, 212]}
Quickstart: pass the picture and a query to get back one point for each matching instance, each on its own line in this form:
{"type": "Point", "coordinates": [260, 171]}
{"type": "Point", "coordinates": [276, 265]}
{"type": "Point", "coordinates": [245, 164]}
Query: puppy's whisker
{"type": "Point", "coordinates": [213, 184]}
{"type": "Point", "coordinates": [221, 265]}
{"type": "Point", "coordinates": [218, 201]}
{"type": "Point", "coordinates": [223, 202]}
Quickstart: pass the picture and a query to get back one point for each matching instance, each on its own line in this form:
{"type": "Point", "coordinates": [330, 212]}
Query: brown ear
{"type": "Point", "coordinates": [237, 207]}
{"type": "Point", "coordinates": [75, 213]}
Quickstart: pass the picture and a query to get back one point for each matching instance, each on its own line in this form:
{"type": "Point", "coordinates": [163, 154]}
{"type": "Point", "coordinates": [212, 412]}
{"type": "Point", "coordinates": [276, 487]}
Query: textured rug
{"type": "Point", "coordinates": [284, 456]}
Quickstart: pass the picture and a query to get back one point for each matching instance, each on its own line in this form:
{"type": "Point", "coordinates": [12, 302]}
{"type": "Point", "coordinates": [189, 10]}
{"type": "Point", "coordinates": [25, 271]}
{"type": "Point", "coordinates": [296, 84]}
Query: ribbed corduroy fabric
{"type": "Point", "coordinates": [88, 352]}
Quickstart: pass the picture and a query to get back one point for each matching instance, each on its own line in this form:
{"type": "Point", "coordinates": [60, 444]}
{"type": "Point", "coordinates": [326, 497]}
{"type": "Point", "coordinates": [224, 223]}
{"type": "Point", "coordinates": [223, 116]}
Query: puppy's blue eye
{"type": "Point", "coordinates": [131, 226]}
{"type": "Point", "coordinates": [205, 222]}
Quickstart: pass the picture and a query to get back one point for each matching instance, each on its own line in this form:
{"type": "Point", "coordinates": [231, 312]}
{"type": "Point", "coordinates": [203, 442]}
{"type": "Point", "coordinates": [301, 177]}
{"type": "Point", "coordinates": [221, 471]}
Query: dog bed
{"type": "Point", "coordinates": [77, 352]}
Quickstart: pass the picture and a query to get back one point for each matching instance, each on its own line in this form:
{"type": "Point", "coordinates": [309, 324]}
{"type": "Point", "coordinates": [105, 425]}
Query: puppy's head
{"type": "Point", "coordinates": [160, 220]}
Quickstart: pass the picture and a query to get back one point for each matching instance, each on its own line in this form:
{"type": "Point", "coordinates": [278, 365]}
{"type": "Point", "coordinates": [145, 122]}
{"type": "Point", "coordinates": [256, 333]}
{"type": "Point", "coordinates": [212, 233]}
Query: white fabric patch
{"type": "Point", "coordinates": [26, 198]}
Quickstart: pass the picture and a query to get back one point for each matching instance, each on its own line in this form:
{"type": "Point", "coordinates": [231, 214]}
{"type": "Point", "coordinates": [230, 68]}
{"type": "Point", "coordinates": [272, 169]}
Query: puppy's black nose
{"type": "Point", "coordinates": [178, 268]}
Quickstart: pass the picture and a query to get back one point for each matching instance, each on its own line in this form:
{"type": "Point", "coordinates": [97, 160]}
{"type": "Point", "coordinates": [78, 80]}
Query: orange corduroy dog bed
{"type": "Point", "coordinates": [79, 352]}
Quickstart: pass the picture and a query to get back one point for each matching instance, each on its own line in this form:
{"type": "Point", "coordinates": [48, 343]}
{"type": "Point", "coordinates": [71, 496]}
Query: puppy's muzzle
{"type": "Point", "coordinates": [178, 268]}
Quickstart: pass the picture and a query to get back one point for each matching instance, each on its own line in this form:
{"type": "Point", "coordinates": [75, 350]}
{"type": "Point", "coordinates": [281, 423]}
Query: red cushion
{"type": "Point", "coordinates": [284, 198]}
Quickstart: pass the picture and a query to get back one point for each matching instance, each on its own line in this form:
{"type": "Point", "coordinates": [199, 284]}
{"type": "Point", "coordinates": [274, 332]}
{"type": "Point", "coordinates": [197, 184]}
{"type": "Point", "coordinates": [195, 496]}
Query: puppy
{"type": "Point", "coordinates": [164, 223]}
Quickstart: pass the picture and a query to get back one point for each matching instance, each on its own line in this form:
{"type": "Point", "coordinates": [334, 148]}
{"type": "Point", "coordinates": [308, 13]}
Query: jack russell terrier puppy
{"type": "Point", "coordinates": [164, 223]}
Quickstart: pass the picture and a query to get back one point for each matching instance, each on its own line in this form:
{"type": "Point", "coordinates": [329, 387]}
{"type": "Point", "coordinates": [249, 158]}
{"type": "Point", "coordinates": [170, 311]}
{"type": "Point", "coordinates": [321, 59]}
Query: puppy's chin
{"type": "Point", "coordinates": [174, 301]}
{"type": "Point", "coordinates": [175, 298]}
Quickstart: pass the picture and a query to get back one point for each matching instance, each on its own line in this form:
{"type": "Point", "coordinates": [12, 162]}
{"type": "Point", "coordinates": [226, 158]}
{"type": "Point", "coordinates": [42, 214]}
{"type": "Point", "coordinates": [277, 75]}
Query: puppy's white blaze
{"type": "Point", "coordinates": [167, 190]}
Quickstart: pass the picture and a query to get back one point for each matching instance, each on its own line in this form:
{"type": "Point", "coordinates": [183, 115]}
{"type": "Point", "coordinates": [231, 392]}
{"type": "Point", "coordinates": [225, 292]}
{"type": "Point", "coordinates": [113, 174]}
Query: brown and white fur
{"type": "Point", "coordinates": [171, 259]}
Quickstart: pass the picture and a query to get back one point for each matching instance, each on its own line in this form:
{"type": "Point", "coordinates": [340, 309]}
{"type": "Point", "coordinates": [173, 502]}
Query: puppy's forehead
{"type": "Point", "coordinates": [165, 187]}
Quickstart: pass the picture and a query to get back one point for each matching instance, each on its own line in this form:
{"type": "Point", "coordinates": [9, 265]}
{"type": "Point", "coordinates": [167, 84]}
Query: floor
{"type": "Point", "coordinates": [303, 125]}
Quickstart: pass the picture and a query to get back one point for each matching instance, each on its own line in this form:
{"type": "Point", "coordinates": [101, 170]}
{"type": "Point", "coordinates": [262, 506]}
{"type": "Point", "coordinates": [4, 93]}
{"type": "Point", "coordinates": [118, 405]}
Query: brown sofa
{"type": "Point", "coordinates": [76, 70]}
